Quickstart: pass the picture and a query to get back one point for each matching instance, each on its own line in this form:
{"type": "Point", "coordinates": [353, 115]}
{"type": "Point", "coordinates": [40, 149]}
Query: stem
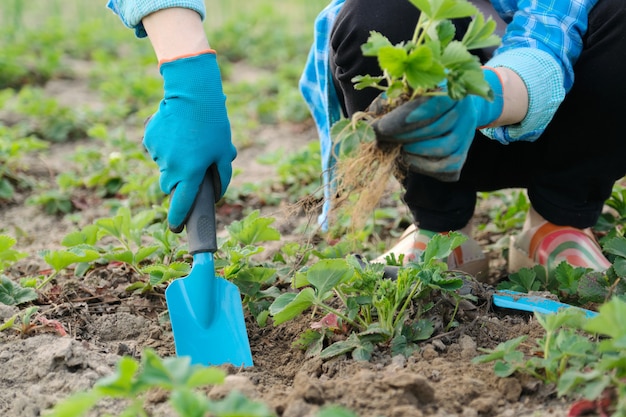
{"type": "Point", "coordinates": [418, 28]}
{"type": "Point", "coordinates": [456, 309]}
{"type": "Point", "coordinates": [47, 280]}
{"type": "Point", "coordinates": [405, 305]}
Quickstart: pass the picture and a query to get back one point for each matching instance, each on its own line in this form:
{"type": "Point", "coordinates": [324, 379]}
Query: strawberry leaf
{"type": "Point", "coordinates": [445, 9]}
{"type": "Point", "coordinates": [480, 33]}
{"type": "Point", "coordinates": [12, 293]}
{"type": "Point", "coordinates": [374, 43]}
{"type": "Point", "coordinates": [393, 59]}
{"type": "Point", "coordinates": [422, 71]}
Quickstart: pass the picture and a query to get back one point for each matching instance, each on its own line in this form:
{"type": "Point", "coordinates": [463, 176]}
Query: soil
{"type": "Point", "coordinates": [104, 323]}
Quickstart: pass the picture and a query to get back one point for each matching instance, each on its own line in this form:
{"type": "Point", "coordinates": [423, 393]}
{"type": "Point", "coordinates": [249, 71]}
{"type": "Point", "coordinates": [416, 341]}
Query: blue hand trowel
{"type": "Point", "coordinates": [521, 301]}
{"type": "Point", "coordinates": [206, 311]}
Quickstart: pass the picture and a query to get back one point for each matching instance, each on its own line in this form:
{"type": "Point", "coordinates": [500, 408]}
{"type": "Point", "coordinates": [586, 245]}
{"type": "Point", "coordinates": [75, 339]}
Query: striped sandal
{"type": "Point", "coordinates": [468, 257]}
{"type": "Point", "coordinates": [549, 245]}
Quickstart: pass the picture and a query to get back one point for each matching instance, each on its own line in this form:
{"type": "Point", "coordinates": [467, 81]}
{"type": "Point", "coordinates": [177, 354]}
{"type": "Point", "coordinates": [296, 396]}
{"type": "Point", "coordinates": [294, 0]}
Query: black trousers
{"type": "Point", "coordinates": [569, 172]}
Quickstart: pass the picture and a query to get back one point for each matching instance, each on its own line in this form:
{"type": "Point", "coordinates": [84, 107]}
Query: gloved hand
{"type": "Point", "coordinates": [190, 132]}
{"type": "Point", "coordinates": [436, 132]}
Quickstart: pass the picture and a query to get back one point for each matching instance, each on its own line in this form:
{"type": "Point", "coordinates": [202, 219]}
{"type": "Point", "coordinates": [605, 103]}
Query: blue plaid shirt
{"type": "Point", "coordinates": [542, 42]}
{"type": "Point", "coordinates": [133, 11]}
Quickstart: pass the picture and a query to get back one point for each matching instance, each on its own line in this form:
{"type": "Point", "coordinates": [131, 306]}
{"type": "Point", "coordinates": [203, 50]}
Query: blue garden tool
{"type": "Point", "coordinates": [525, 302]}
{"type": "Point", "coordinates": [206, 311]}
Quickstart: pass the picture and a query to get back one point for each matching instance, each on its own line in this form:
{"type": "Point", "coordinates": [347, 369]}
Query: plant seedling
{"type": "Point", "coordinates": [414, 68]}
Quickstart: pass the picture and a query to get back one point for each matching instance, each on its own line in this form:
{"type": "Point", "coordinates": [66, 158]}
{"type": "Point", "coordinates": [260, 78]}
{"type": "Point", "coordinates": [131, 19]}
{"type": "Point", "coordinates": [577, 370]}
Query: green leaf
{"type": "Point", "coordinates": [504, 369]}
{"type": "Point", "coordinates": [455, 55]}
{"type": "Point", "coordinates": [363, 352]}
{"type": "Point", "coordinates": [592, 287]}
{"type": "Point", "coordinates": [76, 405]}
{"type": "Point", "coordinates": [422, 71]}
{"type": "Point", "coordinates": [6, 189]}
{"type": "Point", "coordinates": [501, 350]}
{"type": "Point", "coordinates": [63, 258]}
{"type": "Point", "coordinates": [125, 256]}
{"type": "Point", "coordinates": [310, 340]}
{"type": "Point", "coordinates": [569, 317]}
{"type": "Point", "coordinates": [144, 252]}
{"type": "Point", "coordinates": [237, 405]}
{"type": "Point", "coordinates": [445, 9]}
{"type": "Point", "coordinates": [365, 81]}
{"type": "Point", "coordinates": [13, 294]}
{"type": "Point", "coordinates": [348, 136]}
{"type": "Point", "coordinates": [160, 273]}
{"type": "Point", "coordinates": [439, 246]}
{"type": "Point", "coordinates": [422, 329]}
{"type": "Point", "coordinates": [568, 277]}
{"type": "Point", "coordinates": [120, 383]}
{"type": "Point", "coordinates": [289, 305]}
{"type": "Point", "coordinates": [334, 411]}
{"type": "Point", "coordinates": [610, 320]}
{"type": "Point", "coordinates": [616, 246]}
{"type": "Point", "coordinates": [469, 81]}
{"type": "Point", "coordinates": [341, 347]}
{"type": "Point", "coordinates": [524, 280]}
{"type": "Point", "coordinates": [393, 59]}
{"type": "Point", "coordinates": [328, 273]}
{"type": "Point", "coordinates": [8, 324]}
{"type": "Point", "coordinates": [253, 229]}
{"type": "Point", "coordinates": [480, 34]}
{"type": "Point", "coordinates": [445, 32]}
{"type": "Point", "coordinates": [374, 43]}
{"type": "Point", "coordinates": [7, 254]}
{"type": "Point", "coordinates": [188, 403]}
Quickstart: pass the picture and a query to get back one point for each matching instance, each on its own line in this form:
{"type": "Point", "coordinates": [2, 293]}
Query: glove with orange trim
{"type": "Point", "coordinates": [190, 132]}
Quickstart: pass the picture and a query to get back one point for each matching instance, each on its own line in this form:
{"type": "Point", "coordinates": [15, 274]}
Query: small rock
{"type": "Point", "coordinates": [439, 345]}
{"type": "Point", "coordinates": [234, 383]}
{"type": "Point", "coordinates": [415, 384]}
{"type": "Point", "coordinates": [510, 388]}
{"type": "Point", "coordinates": [429, 353]}
{"type": "Point", "coordinates": [299, 408]}
{"type": "Point", "coordinates": [483, 405]}
{"type": "Point", "coordinates": [398, 362]}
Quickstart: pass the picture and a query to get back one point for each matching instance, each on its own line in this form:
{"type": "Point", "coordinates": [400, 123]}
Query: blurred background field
{"type": "Point", "coordinates": [71, 71]}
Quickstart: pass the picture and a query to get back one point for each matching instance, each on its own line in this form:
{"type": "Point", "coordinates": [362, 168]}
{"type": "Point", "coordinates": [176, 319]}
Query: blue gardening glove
{"type": "Point", "coordinates": [190, 132]}
{"type": "Point", "coordinates": [436, 132]}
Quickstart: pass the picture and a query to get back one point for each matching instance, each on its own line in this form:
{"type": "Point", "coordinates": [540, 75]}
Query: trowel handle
{"type": "Point", "coordinates": [201, 233]}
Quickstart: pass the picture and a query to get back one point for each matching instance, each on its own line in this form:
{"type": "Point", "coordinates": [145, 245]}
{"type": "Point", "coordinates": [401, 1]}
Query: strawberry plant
{"type": "Point", "coordinates": [418, 67]}
{"type": "Point", "coordinates": [25, 324]}
{"type": "Point", "coordinates": [236, 261]}
{"type": "Point", "coordinates": [584, 358]}
{"type": "Point", "coordinates": [355, 301]}
{"type": "Point", "coordinates": [181, 381]}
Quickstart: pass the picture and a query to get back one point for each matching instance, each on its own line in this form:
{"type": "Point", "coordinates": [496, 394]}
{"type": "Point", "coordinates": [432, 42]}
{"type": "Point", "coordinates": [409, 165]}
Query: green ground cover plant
{"type": "Point", "coordinates": [356, 301]}
{"type": "Point", "coordinates": [578, 356]}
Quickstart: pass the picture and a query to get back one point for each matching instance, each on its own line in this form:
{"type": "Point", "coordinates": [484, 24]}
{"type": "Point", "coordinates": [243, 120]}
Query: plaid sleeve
{"type": "Point", "coordinates": [133, 11]}
{"type": "Point", "coordinates": [317, 88]}
{"type": "Point", "coordinates": [542, 42]}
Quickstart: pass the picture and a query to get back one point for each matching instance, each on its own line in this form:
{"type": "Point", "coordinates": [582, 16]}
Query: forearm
{"type": "Point", "coordinates": [175, 32]}
{"type": "Point", "coordinates": [515, 98]}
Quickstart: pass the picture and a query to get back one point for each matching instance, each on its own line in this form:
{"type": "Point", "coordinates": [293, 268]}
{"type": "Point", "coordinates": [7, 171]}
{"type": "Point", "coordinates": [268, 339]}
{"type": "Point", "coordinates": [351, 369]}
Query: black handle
{"type": "Point", "coordinates": [201, 233]}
